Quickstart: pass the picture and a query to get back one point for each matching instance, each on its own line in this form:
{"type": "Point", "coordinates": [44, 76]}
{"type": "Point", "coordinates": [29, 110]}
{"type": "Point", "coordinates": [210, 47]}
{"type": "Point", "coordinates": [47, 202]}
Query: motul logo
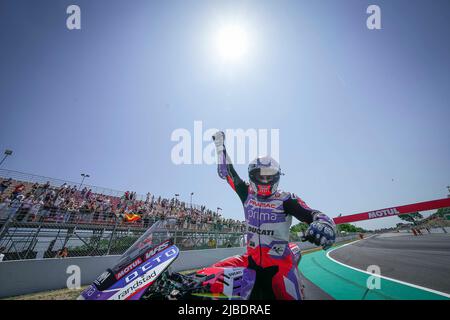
{"type": "Point", "coordinates": [128, 268]}
{"type": "Point", "coordinates": [383, 213]}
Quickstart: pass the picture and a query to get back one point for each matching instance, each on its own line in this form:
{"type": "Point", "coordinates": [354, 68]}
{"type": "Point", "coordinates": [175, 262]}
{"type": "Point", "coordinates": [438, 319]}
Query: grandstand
{"type": "Point", "coordinates": [40, 217]}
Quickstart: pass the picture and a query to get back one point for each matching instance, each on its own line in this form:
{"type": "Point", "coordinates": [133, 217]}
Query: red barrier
{"type": "Point", "coordinates": [409, 208]}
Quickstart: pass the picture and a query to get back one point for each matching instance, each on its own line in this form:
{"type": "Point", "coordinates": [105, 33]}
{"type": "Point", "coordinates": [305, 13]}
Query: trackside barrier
{"type": "Point", "coordinates": [435, 230]}
{"type": "Point", "coordinates": [429, 230]}
{"type": "Point", "coordinates": [37, 240]}
{"type": "Point", "coordinates": [309, 245]}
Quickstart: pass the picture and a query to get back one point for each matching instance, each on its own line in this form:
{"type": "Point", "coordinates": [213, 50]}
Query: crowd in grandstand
{"type": "Point", "coordinates": [30, 202]}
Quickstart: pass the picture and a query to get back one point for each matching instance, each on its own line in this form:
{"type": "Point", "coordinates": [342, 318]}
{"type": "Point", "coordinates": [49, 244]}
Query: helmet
{"type": "Point", "coordinates": [264, 174]}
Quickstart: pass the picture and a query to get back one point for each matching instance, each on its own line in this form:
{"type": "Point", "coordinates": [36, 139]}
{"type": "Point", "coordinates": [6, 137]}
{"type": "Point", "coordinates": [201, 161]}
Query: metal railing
{"type": "Point", "coordinates": [16, 211]}
{"type": "Point", "coordinates": [32, 178]}
{"type": "Point", "coordinates": [43, 239]}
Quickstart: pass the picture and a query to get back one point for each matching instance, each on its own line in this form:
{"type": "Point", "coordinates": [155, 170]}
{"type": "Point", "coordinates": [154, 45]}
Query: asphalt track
{"type": "Point", "coordinates": [411, 268]}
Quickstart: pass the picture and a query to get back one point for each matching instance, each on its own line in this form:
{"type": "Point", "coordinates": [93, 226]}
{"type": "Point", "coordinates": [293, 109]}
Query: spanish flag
{"type": "Point", "coordinates": [131, 217]}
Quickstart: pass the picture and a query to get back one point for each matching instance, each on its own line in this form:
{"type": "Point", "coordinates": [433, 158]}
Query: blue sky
{"type": "Point", "coordinates": [363, 114]}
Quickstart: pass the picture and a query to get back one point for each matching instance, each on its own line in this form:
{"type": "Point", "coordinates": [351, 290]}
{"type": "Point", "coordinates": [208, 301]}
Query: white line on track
{"type": "Point", "coordinates": [384, 277]}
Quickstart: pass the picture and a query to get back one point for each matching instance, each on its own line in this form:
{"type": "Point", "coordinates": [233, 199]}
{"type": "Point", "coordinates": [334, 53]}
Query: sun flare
{"type": "Point", "coordinates": [232, 42]}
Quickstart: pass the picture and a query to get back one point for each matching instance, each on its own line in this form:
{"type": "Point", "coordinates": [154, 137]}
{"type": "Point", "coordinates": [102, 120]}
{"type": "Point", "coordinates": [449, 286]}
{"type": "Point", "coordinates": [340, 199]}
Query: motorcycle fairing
{"type": "Point", "coordinates": [133, 285]}
{"type": "Point", "coordinates": [231, 283]}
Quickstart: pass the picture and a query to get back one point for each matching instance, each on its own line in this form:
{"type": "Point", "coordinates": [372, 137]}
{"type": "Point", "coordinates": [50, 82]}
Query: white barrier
{"type": "Point", "coordinates": [29, 276]}
{"type": "Point", "coordinates": [425, 231]}
{"type": "Point", "coordinates": [435, 230]}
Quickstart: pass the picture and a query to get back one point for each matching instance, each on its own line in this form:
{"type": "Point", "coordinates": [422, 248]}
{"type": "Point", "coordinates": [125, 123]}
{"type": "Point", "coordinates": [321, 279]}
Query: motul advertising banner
{"type": "Point", "coordinates": [405, 209]}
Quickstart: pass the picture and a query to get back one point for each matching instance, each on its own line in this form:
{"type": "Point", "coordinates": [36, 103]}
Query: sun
{"type": "Point", "coordinates": [232, 42]}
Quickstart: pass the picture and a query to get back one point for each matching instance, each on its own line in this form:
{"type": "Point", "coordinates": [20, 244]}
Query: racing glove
{"type": "Point", "coordinates": [322, 231]}
{"type": "Point", "coordinates": [219, 140]}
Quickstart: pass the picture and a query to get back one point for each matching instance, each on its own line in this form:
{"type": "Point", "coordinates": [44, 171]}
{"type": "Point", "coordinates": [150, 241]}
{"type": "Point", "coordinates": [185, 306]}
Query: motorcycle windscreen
{"type": "Point", "coordinates": [156, 235]}
{"type": "Point", "coordinates": [138, 267]}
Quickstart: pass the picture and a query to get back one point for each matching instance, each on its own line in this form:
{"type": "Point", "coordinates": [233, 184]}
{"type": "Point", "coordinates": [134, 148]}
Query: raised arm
{"type": "Point", "coordinates": [225, 167]}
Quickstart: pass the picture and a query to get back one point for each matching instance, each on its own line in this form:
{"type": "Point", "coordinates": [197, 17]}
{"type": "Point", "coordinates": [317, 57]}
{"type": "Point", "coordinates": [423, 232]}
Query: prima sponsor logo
{"type": "Point", "coordinates": [383, 213]}
{"type": "Point", "coordinates": [262, 216]}
{"type": "Point", "coordinates": [128, 268]}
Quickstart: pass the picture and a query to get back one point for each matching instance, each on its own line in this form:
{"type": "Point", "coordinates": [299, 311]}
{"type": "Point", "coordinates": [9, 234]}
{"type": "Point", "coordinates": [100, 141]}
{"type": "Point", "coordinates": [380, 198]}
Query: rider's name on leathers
{"type": "Point", "coordinates": [225, 310]}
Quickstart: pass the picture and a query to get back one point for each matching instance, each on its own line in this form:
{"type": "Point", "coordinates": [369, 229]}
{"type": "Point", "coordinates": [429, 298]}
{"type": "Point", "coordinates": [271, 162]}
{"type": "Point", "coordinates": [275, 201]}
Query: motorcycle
{"type": "Point", "coordinates": [144, 273]}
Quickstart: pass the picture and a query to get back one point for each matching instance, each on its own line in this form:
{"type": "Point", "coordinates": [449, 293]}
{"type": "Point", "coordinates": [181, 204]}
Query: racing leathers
{"type": "Point", "coordinates": [268, 222]}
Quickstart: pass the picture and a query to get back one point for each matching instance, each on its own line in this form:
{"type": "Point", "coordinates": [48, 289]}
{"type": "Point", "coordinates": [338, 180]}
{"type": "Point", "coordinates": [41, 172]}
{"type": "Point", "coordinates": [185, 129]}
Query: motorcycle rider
{"type": "Point", "coordinates": [268, 214]}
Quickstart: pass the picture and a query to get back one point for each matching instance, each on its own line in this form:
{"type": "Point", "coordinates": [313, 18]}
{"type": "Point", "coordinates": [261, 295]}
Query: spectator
{"type": "Point", "coordinates": [2, 255]}
{"type": "Point", "coordinates": [25, 208]}
{"type": "Point", "coordinates": [34, 188]}
{"type": "Point", "coordinates": [18, 189]}
{"type": "Point", "coordinates": [35, 209]}
{"type": "Point", "coordinates": [68, 204]}
{"type": "Point", "coordinates": [5, 185]}
{"type": "Point", "coordinates": [83, 192]}
{"type": "Point", "coordinates": [63, 253]}
{"type": "Point", "coordinates": [87, 195]}
{"type": "Point", "coordinates": [212, 243]}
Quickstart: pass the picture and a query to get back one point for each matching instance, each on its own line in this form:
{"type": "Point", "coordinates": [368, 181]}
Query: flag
{"type": "Point", "coordinates": [131, 217]}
